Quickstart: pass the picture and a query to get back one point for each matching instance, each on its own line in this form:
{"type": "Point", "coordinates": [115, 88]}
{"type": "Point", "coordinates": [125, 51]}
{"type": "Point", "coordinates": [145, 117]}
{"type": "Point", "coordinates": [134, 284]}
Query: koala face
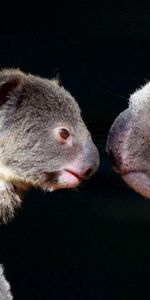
{"type": "Point", "coordinates": [44, 141]}
{"type": "Point", "coordinates": [128, 143]}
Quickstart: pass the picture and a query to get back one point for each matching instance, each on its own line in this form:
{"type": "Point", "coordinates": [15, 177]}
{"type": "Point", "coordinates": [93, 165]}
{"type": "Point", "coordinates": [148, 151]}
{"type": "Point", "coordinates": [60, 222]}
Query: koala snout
{"type": "Point", "coordinates": [82, 168]}
{"type": "Point", "coordinates": [87, 163]}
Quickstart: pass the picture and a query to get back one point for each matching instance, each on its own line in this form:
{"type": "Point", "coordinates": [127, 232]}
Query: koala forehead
{"type": "Point", "coordinates": [43, 100]}
{"type": "Point", "coordinates": [53, 96]}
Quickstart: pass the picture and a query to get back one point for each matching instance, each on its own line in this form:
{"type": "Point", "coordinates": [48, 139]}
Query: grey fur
{"type": "Point", "coordinates": [5, 293]}
{"type": "Point", "coordinates": [128, 143]}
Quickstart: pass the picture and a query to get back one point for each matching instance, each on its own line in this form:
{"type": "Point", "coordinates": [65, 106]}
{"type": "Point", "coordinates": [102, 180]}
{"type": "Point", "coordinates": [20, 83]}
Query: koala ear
{"type": "Point", "coordinates": [8, 83]}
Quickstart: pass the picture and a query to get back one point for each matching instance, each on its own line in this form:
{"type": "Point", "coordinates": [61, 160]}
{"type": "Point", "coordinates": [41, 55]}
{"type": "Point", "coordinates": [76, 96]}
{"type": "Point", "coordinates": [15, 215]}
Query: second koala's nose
{"type": "Point", "coordinates": [114, 159]}
{"type": "Point", "coordinates": [116, 140]}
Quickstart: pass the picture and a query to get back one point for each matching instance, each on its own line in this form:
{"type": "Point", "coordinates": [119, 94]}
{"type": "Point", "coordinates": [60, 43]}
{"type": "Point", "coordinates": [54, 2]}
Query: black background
{"type": "Point", "coordinates": [93, 243]}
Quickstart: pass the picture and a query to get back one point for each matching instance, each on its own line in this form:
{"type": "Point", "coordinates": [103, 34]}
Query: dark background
{"type": "Point", "coordinates": [93, 243]}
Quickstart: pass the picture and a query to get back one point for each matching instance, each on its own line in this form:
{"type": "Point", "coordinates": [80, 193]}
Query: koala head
{"type": "Point", "coordinates": [43, 139]}
{"type": "Point", "coordinates": [128, 143]}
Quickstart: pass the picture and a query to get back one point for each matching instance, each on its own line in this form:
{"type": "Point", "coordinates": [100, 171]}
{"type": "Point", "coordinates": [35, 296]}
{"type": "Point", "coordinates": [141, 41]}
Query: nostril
{"type": "Point", "coordinates": [88, 173]}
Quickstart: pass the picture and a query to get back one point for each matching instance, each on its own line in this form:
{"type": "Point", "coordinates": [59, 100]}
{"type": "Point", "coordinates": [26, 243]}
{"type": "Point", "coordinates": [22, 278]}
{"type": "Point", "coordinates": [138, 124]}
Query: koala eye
{"type": "Point", "coordinates": [64, 133]}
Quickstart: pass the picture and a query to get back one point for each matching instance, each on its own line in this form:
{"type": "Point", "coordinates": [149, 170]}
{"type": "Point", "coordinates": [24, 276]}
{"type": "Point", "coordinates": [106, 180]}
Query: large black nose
{"type": "Point", "coordinates": [113, 159]}
{"type": "Point", "coordinates": [117, 138]}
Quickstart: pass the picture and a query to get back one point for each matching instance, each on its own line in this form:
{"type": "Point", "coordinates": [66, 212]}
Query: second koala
{"type": "Point", "coordinates": [128, 142]}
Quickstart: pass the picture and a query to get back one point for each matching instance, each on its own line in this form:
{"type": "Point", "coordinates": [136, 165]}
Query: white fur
{"type": "Point", "coordinates": [140, 100]}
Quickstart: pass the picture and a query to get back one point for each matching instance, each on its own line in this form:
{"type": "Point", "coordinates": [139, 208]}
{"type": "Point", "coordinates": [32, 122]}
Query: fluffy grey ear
{"type": "Point", "coordinates": [5, 293]}
{"type": "Point", "coordinates": [9, 81]}
{"type": "Point", "coordinates": [6, 88]}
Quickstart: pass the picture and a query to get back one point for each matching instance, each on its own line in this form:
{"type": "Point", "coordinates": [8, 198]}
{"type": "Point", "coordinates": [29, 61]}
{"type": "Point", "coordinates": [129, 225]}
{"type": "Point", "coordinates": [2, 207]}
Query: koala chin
{"type": "Point", "coordinates": [128, 143]}
{"type": "Point", "coordinates": [43, 139]}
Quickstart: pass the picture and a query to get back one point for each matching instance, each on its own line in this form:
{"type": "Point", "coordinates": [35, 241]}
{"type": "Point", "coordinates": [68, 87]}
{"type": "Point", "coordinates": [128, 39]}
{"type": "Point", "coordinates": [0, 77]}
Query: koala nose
{"type": "Point", "coordinates": [116, 140]}
{"type": "Point", "coordinates": [114, 159]}
{"type": "Point", "coordinates": [91, 160]}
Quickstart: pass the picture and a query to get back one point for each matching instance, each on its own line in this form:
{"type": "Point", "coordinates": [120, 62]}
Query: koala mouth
{"type": "Point", "coordinates": [69, 178]}
{"type": "Point", "coordinates": [61, 179]}
{"type": "Point", "coordinates": [74, 174]}
{"type": "Point", "coordinates": [139, 181]}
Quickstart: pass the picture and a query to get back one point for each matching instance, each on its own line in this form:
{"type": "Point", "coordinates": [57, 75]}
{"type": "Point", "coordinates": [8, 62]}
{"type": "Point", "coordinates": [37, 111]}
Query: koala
{"type": "Point", "coordinates": [43, 140]}
{"type": "Point", "coordinates": [128, 143]}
